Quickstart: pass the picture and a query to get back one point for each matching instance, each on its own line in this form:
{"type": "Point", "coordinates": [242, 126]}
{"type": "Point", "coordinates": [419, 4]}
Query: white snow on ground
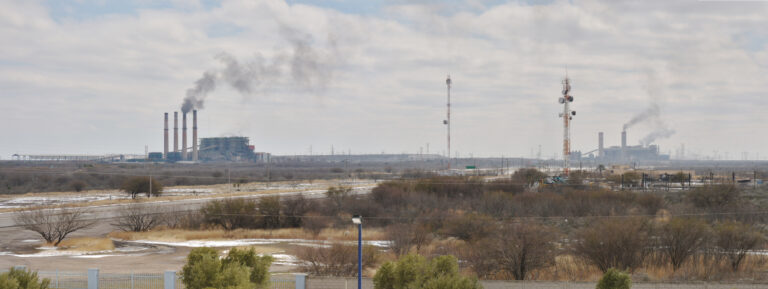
{"type": "Point", "coordinates": [31, 241]}
{"type": "Point", "coordinates": [359, 187]}
{"type": "Point", "coordinates": [95, 256]}
{"type": "Point", "coordinates": [246, 242]}
{"type": "Point", "coordinates": [208, 243]}
{"type": "Point", "coordinates": [188, 191]}
{"type": "Point", "coordinates": [52, 252]}
{"type": "Point", "coordinates": [284, 259]}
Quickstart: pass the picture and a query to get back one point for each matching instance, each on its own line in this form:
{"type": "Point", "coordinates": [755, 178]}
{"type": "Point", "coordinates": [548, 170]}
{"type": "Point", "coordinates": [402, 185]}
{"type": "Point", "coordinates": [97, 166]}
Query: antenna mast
{"type": "Point", "coordinates": [447, 122]}
{"type": "Point", "coordinates": [567, 116]}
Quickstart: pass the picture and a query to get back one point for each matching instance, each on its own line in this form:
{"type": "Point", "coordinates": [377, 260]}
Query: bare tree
{"type": "Point", "coordinates": [620, 243]}
{"type": "Point", "coordinates": [401, 236]}
{"type": "Point", "coordinates": [314, 223]}
{"type": "Point", "coordinates": [54, 224]}
{"type": "Point", "coordinates": [138, 218]}
{"type": "Point", "coordinates": [336, 260]}
{"type": "Point", "coordinates": [735, 240]}
{"type": "Point", "coordinates": [680, 238]}
{"type": "Point", "coordinates": [517, 250]}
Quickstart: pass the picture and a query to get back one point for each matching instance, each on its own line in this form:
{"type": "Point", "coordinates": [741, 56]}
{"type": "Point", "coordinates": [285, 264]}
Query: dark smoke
{"type": "Point", "coordinates": [309, 69]}
{"type": "Point", "coordinates": [651, 112]}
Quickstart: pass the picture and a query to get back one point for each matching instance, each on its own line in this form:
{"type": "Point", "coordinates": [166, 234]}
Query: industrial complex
{"type": "Point", "coordinates": [215, 149]}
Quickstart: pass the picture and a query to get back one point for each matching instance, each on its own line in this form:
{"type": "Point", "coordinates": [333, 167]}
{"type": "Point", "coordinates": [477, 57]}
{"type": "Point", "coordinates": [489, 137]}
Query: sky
{"type": "Point", "coordinates": [96, 76]}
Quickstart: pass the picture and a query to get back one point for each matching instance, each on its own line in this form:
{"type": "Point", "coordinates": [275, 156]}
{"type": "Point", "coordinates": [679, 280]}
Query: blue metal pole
{"type": "Point", "coordinates": [360, 256]}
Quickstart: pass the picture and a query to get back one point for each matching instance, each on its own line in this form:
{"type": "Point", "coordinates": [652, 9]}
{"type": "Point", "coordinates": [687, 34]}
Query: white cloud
{"type": "Point", "coordinates": [101, 84]}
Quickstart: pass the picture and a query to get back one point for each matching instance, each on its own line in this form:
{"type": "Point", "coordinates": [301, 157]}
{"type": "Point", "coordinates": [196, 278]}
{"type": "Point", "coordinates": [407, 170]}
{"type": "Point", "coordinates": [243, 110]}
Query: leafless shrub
{"type": "Point", "coordinates": [293, 209]}
{"type": "Point", "coordinates": [138, 218]}
{"type": "Point", "coordinates": [338, 260]}
{"type": "Point", "coordinates": [516, 250]}
{"type": "Point", "coordinates": [679, 239]}
{"type": "Point", "coordinates": [269, 211]}
{"type": "Point", "coordinates": [314, 223]}
{"type": "Point", "coordinates": [184, 220]}
{"type": "Point", "coordinates": [735, 240]}
{"type": "Point", "coordinates": [54, 225]}
{"type": "Point", "coordinates": [469, 227]}
{"type": "Point", "coordinates": [621, 243]}
{"type": "Point", "coordinates": [230, 214]}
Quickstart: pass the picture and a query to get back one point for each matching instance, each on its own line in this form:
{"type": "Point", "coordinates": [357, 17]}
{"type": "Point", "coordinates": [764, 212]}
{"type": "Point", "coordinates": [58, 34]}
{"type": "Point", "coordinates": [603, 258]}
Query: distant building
{"type": "Point", "coordinates": [236, 148]}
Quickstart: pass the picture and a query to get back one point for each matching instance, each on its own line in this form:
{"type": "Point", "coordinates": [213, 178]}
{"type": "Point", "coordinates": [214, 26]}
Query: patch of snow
{"type": "Point", "coordinates": [246, 242]}
{"type": "Point", "coordinates": [130, 249]}
{"type": "Point", "coordinates": [93, 256]}
{"type": "Point", "coordinates": [210, 243]}
{"type": "Point", "coordinates": [284, 259]}
{"type": "Point", "coordinates": [31, 241]}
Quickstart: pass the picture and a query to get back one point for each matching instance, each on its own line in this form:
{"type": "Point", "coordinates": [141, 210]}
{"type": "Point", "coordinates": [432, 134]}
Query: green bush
{"type": "Point", "coordinates": [413, 271]}
{"type": "Point", "coordinates": [240, 269]}
{"type": "Point", "coordinates": [614, 279]}
{"type": "Point", "coordinates": [22, 279]}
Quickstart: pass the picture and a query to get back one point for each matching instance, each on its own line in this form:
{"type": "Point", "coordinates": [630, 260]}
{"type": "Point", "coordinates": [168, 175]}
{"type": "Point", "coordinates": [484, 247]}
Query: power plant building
{"type": "Point", "coordinates": [626, 153]}
{"type": "Point", "coordinates": [236, 148]}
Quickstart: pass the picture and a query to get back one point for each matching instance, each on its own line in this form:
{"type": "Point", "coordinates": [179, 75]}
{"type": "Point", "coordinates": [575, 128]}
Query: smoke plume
{"type": "Point", "coordinates": [652, 114]}
{"type": "Point", "coordinates": [303, 66]}
{"type": "Point", "coordinates": [661, 131]}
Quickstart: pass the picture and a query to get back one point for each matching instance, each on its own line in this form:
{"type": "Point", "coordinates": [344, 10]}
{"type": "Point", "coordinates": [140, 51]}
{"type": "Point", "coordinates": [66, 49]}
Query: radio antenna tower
{"type": "Point", "coordinates": [447, 121]}
{"type": "Point", "coordinates": [567, 116]}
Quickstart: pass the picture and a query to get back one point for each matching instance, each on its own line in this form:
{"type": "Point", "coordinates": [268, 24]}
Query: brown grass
{"type": "Point", "coordinates": [218, 193]}
{"type": "Point", "coordinates": [703, 268]}
{"type": "Point", "coordinates": [87, 244]}
{"type": "Point", "coordinates": [179, 235]}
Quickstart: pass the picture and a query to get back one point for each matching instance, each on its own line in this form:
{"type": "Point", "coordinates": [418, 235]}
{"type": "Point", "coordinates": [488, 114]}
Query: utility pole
{"type": "Point", "coordinates": [447, 121]}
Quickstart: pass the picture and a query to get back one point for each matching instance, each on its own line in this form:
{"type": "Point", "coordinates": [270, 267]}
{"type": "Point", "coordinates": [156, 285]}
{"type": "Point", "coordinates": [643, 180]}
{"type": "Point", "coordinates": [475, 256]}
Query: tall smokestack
{"type": "Point", "coordinates": [623, 139]}
{"type": "Point", "coordinates": [623, 144]}
{"type": "Point", "coordinates": [165, 137]}
{"type": "Point", "coordinates": [600, 144]}
{"type": "Point", "coordinates": [194, 135]}
{"type": "Point", "coordinates": [175, 131]}
{"type": "Point", "coordinates": [184, 136]}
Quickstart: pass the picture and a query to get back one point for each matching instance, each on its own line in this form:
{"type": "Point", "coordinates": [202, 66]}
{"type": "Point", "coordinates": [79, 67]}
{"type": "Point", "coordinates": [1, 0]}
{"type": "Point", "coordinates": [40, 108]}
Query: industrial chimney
{"type": "Point", "coordinates": [623, 144]}
{"type": "Point", "coordinates": [165, 138]}
{"type": "Point", "coordinates": [194, 135]}
{"type": "Point", "coordinates": [175, 131]}
{"type": "Point", "coordinates": [184, 136]}
{"type": "Point", "coordinates": [623, 139]}
{"type": "Point", "coordinates": [600, 144]}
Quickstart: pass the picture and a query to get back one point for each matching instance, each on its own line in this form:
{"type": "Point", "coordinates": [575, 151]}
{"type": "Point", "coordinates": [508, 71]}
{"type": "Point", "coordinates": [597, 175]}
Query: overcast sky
{"type": "Point", "coordinates": [369, 76]}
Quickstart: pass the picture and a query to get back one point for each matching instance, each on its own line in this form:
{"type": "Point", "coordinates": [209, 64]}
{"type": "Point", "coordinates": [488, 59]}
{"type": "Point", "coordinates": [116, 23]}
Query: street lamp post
{"type": "Point", "coordinates": [357, 219]}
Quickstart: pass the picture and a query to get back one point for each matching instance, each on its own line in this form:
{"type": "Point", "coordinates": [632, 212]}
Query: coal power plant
{"type": "Point", "coordinates": [625, 153]}
{"type": "Point", "coordinates": [215, 149]}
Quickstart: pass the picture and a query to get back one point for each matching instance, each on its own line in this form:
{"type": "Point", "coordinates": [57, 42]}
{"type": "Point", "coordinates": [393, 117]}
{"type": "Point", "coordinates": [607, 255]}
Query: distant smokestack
{"type": "Point", "coordinates": [600, 144]}
{"type": "Point", "coordinates": [165, 137]}
{"type": "Point", "coordinates": [623, 139]}
{"type": "Point", "coordinates": [623, 144]}
{"type": "Point", "coordinates": [184, 136]}
{"type": "Point", "coordinates": [175, 131]}
{"type": "Point", "coordinates": [194, 135]}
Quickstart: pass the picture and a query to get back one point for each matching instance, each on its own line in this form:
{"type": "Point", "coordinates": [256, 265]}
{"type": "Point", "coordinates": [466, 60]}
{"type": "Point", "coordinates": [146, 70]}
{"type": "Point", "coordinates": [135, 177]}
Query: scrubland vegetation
{"type": "Point", "coordinates": [511, 228]}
